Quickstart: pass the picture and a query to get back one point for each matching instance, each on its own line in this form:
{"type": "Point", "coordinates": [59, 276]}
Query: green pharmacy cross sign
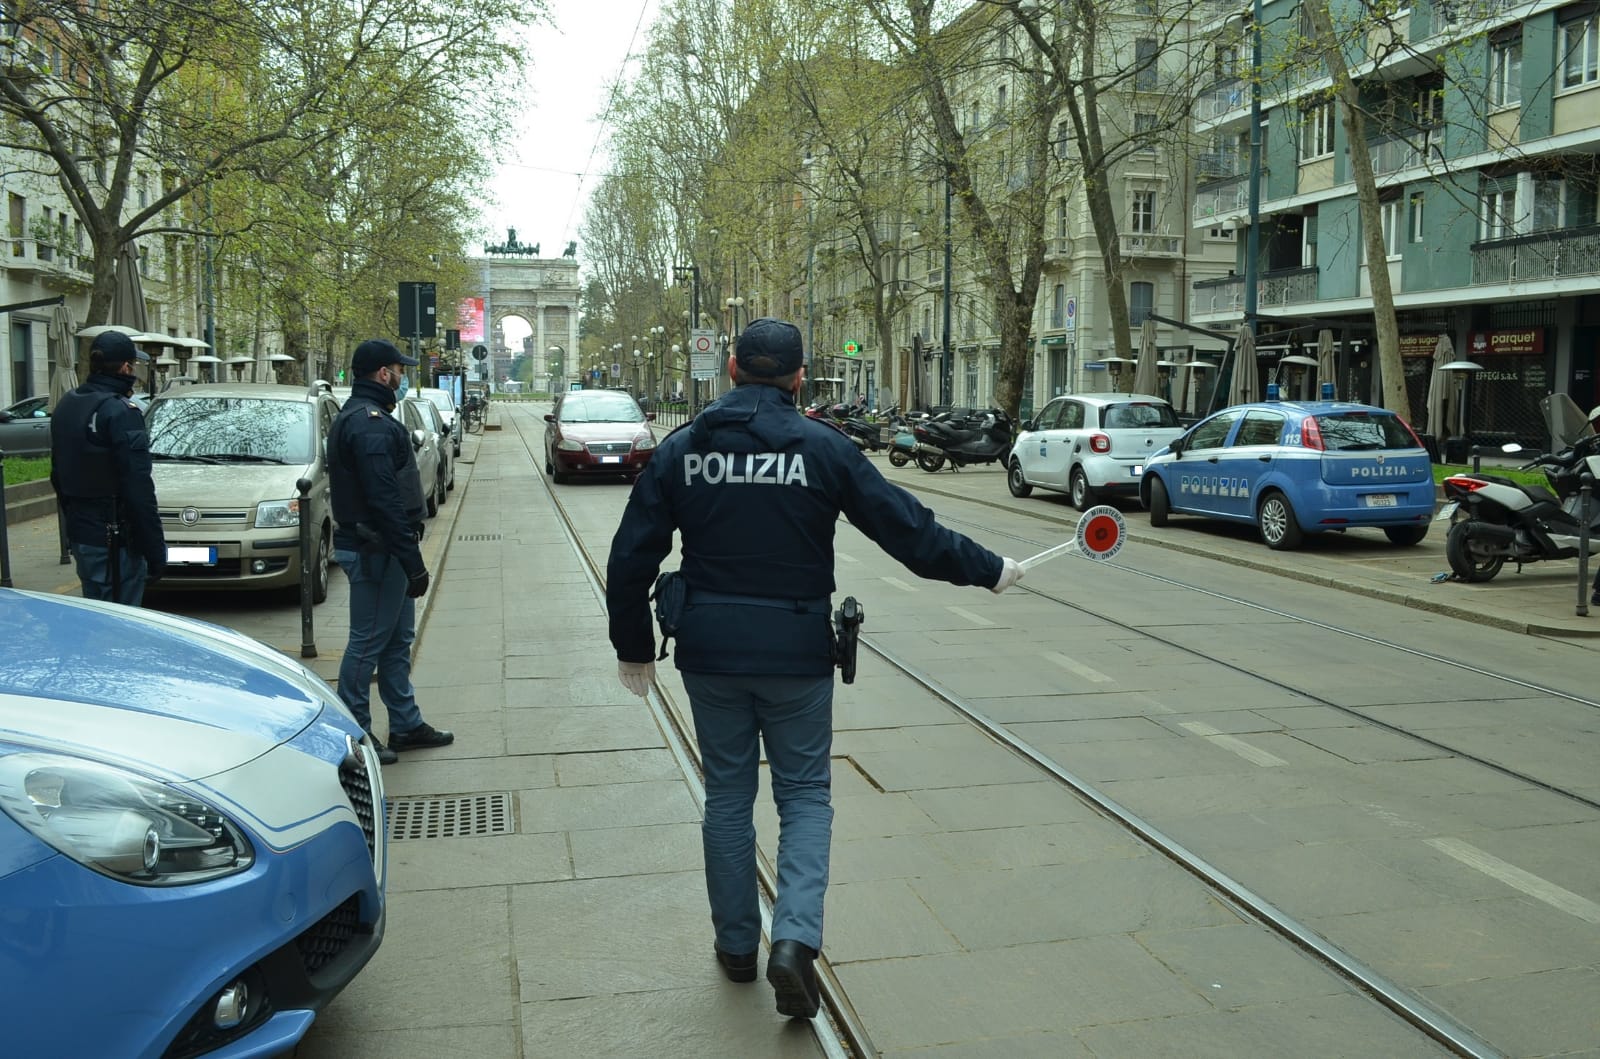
{"type": "Point", "coordinates": [852, 349]}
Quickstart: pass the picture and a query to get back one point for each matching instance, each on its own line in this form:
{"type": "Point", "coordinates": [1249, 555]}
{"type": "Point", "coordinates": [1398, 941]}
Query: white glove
{"type": "Point", "coordinates": [1010, 574]}
{"type": "Point", "coordinates": [637, 676]}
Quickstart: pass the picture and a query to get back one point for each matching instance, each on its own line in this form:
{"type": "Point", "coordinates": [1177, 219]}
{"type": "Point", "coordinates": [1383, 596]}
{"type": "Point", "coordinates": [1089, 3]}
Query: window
{"type": "Point", "coordinates": [1389, 218]}
{"type": "Point", "coordinates": [1415, 212]}
{"type": "Point", "coordinates": [1498, 215]}
{"type": "Point", "coordinates": [1000, 101]}
{"type": "Point", "coordinates": [1316, 131]}
{"type": "Point", "coordinates": [1220, 233]}
{"type": "Point", "coordinates": [19, 221]}
{"type": "Point", "coordinates": [1549, 203]}
{"type": "Point", "coordinates": [1058, 306]}
{"type": "Point", "coordinates": [1061, 223]}
{"type": "Point", "coordinates": [1146, 75]}
{"type": "Point", "coordinates": [1141, 301]}
{"type": "Point", "coordinates": [1505, 72]}
{"type": "Point", "coordinates": [970, 373]}
{"type": "Point", "coordinates": [1071, 417]}
{"type": "Point", "coordinates": [1061, 140]}
{"type": "Point", "coordinates": [1580, 52]}
{"type": "Point", "coordinates": [1144, 129]}
{"type": "Point", "coordinates": [972, 120]}
{"type": "Point", "coordinates": [1225, 66]}
{"type": "Point", "coordinates": [1308, 240]}
{"type": "Point", "coordinates": [1142, 219]}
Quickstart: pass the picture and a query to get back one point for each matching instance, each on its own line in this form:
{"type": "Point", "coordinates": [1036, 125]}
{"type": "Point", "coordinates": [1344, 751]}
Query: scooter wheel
{"type": "Point", "coordinates": [1465, 562]}
{"type": "Point", "coordinates": [898, 458]}
{"type": "Point", "coordinates": [930, 462]}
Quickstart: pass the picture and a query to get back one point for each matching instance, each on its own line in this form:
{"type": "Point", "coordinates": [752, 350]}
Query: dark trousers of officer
{"type": "Point", "coordinates": [383, 625]}
{"type": "Point", "coordinates": [93, 562]}
{"type": "Point", "coordinates": [733, 715]}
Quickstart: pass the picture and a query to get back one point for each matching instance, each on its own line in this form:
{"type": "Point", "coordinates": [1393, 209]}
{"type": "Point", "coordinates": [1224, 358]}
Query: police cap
{"type": "Point", "coordinates": [768, 349]}
{"type": "Point", "coordinates": [376, 353]}
{"type": "Point", "coordinates": [114, 347]}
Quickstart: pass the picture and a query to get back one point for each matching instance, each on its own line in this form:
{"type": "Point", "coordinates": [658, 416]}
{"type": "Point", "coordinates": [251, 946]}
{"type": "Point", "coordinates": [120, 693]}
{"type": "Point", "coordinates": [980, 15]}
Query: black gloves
{"type": "Point", "coordinates": [417, 584]}
{"type": "Point", "coordinates": [416, 527]}
{"type": "Point", "coordinates": [155, 567]}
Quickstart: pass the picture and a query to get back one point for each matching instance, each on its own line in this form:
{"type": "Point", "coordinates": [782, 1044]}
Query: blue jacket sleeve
{"type": "Point", "coordinates": [643, 539]}
{"type": "Point", "coordinates": [130, 447]}
{"type": "Point", "coordinates": [905, 528]}
{"type": "Point", "coordinates": [380, 484]}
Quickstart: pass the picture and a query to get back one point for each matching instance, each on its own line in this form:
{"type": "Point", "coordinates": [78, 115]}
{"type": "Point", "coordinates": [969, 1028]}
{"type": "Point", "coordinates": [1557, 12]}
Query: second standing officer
{"type": "Point", "coordinates": [755, 488]}
{"type": "Point", "coordinates": [377, 511]}
{"type": "Point", "coordinates": [100, 468]}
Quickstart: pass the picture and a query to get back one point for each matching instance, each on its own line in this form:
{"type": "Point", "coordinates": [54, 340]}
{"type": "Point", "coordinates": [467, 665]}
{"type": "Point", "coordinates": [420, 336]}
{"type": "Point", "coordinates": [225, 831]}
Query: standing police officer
{"type": "Point", "coordinates": [377, 511]}
{"type": "Point", "coordinates": [756, 488]}
{"type": "Point", "coordinates": [100, 468]}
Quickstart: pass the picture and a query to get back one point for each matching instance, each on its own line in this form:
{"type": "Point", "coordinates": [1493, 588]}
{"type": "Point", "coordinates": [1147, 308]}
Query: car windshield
{"type": "Point", "coordinates": [440, 399]}
{"type": "Point", "coordinates": [1138, 415]}
{"type": "Point", "coordinates": [1363, 431]}
{"type": "Point", "coordinates": [243, 429]}
{"type": "Point", "coordinates": [600, 406]}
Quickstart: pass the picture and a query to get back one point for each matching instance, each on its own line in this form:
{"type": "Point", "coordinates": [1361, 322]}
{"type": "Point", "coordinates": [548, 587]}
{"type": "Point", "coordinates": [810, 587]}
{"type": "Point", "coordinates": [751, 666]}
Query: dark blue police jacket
{"type": "Point", "coordinates": [755, 488]}
{"type": "Point", "coordinates": [373, 480]}
{"type": "Point", "coordinates": [101, 467]}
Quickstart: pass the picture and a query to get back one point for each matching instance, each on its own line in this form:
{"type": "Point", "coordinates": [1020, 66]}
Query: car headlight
{"type": "Point", "coordinates": [568, 445]}
{"type": "Point", "coordinates": [120, 823]}
{"type": "Point", "coordinates": [646, 442]}
{"type": "Point", "coordinates": [276, 514]}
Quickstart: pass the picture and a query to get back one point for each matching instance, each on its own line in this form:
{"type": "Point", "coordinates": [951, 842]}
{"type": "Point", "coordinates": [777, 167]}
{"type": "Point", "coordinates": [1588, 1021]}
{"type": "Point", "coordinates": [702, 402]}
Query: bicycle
{"type": "Point", "coordinates": [474, 417]}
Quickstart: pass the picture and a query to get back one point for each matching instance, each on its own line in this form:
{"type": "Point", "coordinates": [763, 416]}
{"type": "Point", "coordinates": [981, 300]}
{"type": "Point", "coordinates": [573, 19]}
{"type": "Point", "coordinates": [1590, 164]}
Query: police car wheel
{"type": "Point", "coordinates": [1160, 503]}
{"type": "Point", "coordinates": [1016, 482]}
{"type": "Point", "coordinates": [1405, 536]}
{"type": "Point", "coordinates": [1279, 528]}
{"type": "Point", "coordinates": [1082, 496]}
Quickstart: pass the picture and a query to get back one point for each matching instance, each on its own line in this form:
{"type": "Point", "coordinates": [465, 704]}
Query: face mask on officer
{"type": "Point", "coordinates": [398, 382]}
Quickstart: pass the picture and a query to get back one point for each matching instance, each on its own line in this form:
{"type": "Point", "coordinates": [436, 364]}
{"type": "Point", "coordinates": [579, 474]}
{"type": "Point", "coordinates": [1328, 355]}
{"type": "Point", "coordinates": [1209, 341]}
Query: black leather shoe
{"type": "Point", "coordinates": [422, 737]}
{"type": "Point", "coordinates": [739, 967]}
{"type": "Point", "coordinates": [794, 981]}
{"type": "Point", "coordinates": [385, 755]}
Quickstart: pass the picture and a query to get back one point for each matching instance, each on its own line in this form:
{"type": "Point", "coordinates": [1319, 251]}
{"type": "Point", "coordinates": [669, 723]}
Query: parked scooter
{"type": "Point", "coordinates": [1495, 519]}
{"type": "Point", "coordinates": [984, 438]}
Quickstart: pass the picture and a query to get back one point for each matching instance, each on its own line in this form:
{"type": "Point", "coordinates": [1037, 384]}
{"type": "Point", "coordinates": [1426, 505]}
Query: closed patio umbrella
{"type": "Point", "coordinates": [63, 332]}
{"type": "Point", "coordinates": [1145, 371]}
{"type": "Point", "coordinates": [127, 298]}
{"type": "Point", "coordinates": [1325, 362]}
{"type": "Point", "coordinates": [1441, 390]}
{"type": "Point", "coordinates": [1242, 390]}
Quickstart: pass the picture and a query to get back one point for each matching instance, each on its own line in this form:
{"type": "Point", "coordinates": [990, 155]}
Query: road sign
{"type": "Point", "coordinates": [616, 369]}
{"type": "Point", "coordinates": [1072, 314]}
{"type": "Point", "coordinates": [1101, 531]}
{"type": "Point", "coordinates": [852, 348]}
{"type": "Point", "coordinates": [703, 353]}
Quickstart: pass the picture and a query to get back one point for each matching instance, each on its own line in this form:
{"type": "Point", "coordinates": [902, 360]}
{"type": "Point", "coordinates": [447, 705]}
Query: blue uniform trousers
{"type": "Point", "coordinates": [794, 717]}
{"type": "Point", "coordinates": [93, 562]}
{"type": "Point", "coordinates": [383, 624]}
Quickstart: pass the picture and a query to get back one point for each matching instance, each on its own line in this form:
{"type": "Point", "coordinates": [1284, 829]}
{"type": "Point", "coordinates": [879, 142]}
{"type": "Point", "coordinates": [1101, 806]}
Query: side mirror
{"type": "Point", "coordinates": [649, 417]}
{"type": "Point", "coordinates": [419, 438]}
{"type": "Point", "coordinates": [549, 417]}
{"type": "Point", "coordinates": [6, 417]}
{"type": "Point", "coordinates": [1176, 446]}
{"type": "Point", "coordinates": [1027, 424]}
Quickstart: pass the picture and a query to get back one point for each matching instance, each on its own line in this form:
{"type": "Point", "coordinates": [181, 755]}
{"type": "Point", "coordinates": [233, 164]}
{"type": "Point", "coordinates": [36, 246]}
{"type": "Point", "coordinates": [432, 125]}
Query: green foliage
{"type": "Point", "coordinates": [22, 469]}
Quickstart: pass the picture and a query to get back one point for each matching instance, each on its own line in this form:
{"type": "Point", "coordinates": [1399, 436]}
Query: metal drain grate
{"type": "Point", "coordinates": [461, 816]}
{"type": "Point", "coordinates": [478, 537]}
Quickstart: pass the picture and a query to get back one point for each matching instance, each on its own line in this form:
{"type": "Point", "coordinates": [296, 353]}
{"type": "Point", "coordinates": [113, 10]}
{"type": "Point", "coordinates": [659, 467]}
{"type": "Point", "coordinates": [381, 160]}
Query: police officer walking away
{"type": "Point", "coordinates": [100, 469]}
{"type": "Point", "coordinates": [377, 511]}
{"type": "Point", "coordinates": [755, 489]}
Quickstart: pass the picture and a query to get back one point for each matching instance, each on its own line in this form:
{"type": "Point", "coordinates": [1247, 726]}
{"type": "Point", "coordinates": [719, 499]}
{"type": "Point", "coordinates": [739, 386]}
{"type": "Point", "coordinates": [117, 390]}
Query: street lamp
{"type": "Point", "coordinates": [733, 305]}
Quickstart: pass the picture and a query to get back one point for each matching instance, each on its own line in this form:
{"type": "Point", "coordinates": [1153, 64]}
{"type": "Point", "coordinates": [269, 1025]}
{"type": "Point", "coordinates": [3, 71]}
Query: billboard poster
{"type": "Point", "coordinates": [469, 319]}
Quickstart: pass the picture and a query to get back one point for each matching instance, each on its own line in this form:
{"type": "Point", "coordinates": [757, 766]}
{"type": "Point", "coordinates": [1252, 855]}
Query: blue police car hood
{"type": "Point", "coordinates": [735, 422]}
{"type": "Point", "coordinates": [121, 683]}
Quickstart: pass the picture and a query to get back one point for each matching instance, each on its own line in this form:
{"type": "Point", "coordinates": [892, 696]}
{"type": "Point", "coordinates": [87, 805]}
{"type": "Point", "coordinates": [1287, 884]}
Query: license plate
{"type": "Point", "coordinates": [611, 459]}
{"type": "Point", "coordinates": [178, 556]}
{"type": "Point", "coordinates": [1381, 500]}
{"type": "Point", "coordinates": [1135, 471]}
{"type": "Point", "coordinates": [1446, 511]}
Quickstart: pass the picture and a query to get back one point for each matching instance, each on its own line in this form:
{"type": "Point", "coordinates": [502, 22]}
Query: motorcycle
{"type": "Point", "coordinates": [851, 419]}
{"type": "Point", "coordinates": [964, 441]}
{"type": "Point", "coordinates": [1494, 519]}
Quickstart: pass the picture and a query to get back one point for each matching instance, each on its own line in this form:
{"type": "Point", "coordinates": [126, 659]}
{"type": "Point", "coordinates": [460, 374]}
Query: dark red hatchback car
{"type": "Point", "coordinates": [597, 432]}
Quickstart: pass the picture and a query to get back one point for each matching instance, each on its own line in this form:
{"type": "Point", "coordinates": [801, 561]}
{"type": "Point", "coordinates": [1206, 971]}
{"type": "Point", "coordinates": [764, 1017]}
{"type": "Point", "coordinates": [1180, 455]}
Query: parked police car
{"type": "Point", "coordinates": [1294, 468]}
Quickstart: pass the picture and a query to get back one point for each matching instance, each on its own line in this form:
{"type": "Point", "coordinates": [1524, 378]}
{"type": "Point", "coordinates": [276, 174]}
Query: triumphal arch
{"type": "Point", "coordinates": [517, 281]}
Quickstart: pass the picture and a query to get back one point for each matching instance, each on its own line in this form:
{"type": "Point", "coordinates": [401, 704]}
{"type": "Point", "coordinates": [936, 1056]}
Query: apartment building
{"type": "Point", "coordinates": [1484, 130]}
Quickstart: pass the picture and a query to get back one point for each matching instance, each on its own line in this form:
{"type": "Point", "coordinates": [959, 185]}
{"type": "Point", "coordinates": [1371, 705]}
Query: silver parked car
{"type": "Point", "coordinates": [25, 428]}
{"type": "Point", "coordinates": [433, 451]}
{"type": "Point", "coordinates": [1090, 445]}
{"type": "Point", "coordinates": [448, 412]}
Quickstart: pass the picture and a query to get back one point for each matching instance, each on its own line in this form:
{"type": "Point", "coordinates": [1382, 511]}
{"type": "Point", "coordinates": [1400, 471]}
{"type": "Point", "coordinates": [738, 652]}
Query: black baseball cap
{"type": "Point", "coordinates": [769, 348]}
{"type": "Point", "coordinates": [376, 353]}
{"type": "Point", "coordinates": [114, 347]}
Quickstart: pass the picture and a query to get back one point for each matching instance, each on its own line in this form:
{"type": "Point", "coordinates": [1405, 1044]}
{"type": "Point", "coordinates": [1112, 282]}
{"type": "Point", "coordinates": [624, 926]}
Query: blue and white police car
{"type": "Point", "coordinates": [192, 843]}
{"type": "Point", "coordinates": [1293, 468]}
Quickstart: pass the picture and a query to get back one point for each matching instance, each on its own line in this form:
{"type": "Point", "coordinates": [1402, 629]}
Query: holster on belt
{"type": "Point", "coordinates": [371, 539]}
{"type": "Point", "coordinates": [670, 595]}
{"type": "Point", "coordinates": [847, 621]}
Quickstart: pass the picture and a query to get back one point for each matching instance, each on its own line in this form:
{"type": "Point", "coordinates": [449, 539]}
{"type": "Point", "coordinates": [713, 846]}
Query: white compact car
{"type": "Point", "coordinates": [1090, 445]}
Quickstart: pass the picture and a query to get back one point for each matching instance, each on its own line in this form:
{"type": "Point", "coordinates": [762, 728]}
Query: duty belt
{"type": "Point", "coordinates": [797, 606]}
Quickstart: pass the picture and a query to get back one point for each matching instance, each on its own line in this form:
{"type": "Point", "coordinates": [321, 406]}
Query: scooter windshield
{"type": "Point", "coordinates": [1565, 419]}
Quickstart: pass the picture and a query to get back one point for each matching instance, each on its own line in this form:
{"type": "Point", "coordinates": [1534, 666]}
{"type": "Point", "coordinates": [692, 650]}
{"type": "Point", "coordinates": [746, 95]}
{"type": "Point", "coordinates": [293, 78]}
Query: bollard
{"type": "Point", "coordinates": [5, 538]}
{"type": "Point", "coordinates": [308, 640]}
{"type": "Point", "coordinates": [1477, 458]}
{"type": "Point", "coordinates": [1585, 493]}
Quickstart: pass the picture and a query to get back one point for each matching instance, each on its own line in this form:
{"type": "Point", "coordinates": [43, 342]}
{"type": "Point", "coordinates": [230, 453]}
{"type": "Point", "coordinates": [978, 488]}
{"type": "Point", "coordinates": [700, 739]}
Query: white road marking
{"type": "Point", "coordinates": [1072, 665]}
{"type": "Point", "coordinates": [1514, 877]}
{"type": "Point", "coordinates": [1253, 754]}
{"type": "Point", "coordinates": [963, 612]}
{"type": "Point", "coordinates": [897, 583]}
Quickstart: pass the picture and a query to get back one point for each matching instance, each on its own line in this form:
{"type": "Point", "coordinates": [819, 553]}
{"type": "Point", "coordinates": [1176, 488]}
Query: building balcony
{"type": "Point", "coordinates": [1223, 98]}
{"type": "Point", "coordinates": [1391, 154]}
{"type": "Point", "coordinates": [1150, 244]}
{"type": "Point", "coordinates": [1540, 256]}
{"type": "Point", "coordinates": [1057, 247]}
{"type": "Point", "coordinates": [1223, 197]}
{"type": "Point", "coordinates": [38, 259]}
{"type": "Point", "coordinates": [1224, 296]}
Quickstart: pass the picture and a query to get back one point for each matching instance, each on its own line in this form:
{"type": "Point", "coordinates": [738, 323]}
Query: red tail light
{"type": "Point", "coordinates": [1311, 434]}
{"type": "Point", "coordinates": [1099, 443]}
{"type": "Point", "coordinates": [1468, 484]}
